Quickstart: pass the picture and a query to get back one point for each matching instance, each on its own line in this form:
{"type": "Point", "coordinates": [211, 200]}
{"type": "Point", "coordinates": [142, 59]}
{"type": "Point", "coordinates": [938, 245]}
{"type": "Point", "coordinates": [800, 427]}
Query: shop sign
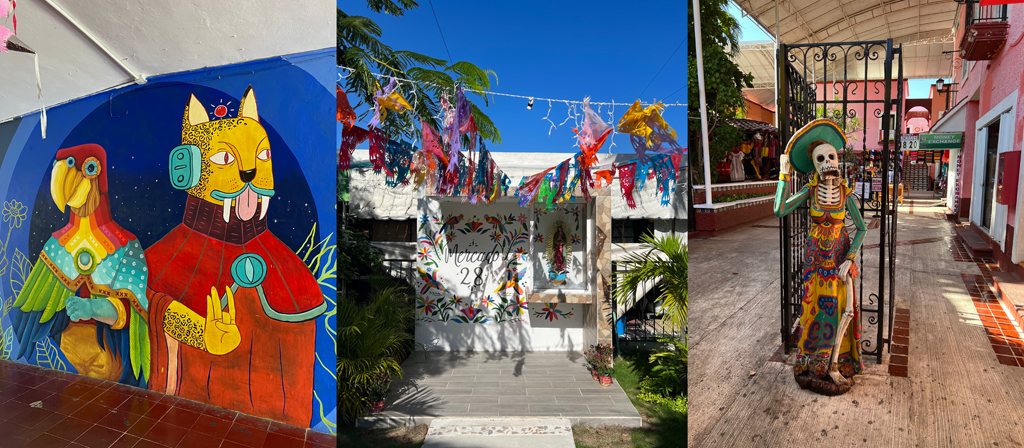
{"type": "Point", "coordinates": [941, 141]}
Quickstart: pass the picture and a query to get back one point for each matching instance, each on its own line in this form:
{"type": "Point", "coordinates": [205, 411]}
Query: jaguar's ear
{"type": "Point", "coordinates": [247, 108]}
{"type": "Point", "coordinates": [195, 112]}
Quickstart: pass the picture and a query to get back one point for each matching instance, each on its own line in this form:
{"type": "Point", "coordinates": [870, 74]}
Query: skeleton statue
{"type": "Point", "coordinates": [829, 348]}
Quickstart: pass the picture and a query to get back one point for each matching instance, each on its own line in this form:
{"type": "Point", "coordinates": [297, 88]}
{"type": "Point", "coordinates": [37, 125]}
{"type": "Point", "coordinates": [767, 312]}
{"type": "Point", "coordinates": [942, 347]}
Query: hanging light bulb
{"type": "Point", "coordinates": [529, 105]}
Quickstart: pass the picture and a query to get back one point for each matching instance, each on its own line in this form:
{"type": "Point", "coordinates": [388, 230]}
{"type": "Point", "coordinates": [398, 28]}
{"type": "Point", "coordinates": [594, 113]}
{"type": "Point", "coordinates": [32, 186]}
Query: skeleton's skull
{"type": "Point", "coordinates": [826, 161]}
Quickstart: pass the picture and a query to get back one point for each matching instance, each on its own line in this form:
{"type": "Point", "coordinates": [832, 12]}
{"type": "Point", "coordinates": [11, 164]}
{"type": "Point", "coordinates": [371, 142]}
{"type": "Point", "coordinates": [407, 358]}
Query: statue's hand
{"type": "Point", "coordinates": [784, 167]}
{"type": "Point", "coordinates": [80, 309]}
{"type": "Point", "coordinates": [848, 267]}
{"type": "Point", "coordinates": [221, 335]}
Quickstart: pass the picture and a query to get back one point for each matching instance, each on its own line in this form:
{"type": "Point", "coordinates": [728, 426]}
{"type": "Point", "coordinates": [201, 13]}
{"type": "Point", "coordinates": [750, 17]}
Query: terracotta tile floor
{"type": "Point", "coordinates": [1003, 336]}
{"type": "Point", "coordinates": [48, 408]}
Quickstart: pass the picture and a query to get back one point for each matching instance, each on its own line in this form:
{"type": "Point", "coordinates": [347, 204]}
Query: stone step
{"type": "Point", "coordinates": [1010, 289]}
{"type": "Point", "coordinates": [499, 433]}
{"type": "Point", "coordinates": [976, 245]}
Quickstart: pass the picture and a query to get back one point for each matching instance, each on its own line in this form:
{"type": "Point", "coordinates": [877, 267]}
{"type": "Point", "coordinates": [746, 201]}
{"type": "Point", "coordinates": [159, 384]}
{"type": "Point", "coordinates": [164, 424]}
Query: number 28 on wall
{"type": "Point", "coordinates": [477, 280]}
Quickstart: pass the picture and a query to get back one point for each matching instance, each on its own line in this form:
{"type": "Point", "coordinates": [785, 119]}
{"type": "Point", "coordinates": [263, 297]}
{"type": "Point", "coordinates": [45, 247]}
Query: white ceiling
{"type": "Point", "coordinates": [924, 27]}
{"type": "Point", "coordinates": [149, 38]}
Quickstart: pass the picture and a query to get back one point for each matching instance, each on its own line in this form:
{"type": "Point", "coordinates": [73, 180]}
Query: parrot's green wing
{"type": "Point", "coordinates": [41, 299]}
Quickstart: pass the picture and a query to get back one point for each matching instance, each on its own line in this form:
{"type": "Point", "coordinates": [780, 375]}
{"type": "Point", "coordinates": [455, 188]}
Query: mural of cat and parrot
{"type": "Point", "coordinates": [88, 289]}
{"type": "Point", "coordinates": [219, 310]}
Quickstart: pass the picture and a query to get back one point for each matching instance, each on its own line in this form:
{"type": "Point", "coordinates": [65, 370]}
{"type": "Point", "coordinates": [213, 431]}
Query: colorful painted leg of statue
{"type": "Point", "coordinates": [844, 325]}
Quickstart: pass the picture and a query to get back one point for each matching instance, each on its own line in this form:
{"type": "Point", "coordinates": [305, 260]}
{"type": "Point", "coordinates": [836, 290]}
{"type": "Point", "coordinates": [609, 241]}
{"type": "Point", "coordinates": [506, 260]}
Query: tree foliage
{"type": "Point", "coordinates": [361, 49]}
{"type": "Point", "coordinates": [377, 338]}
{"type": "Point", "coordinates": [724, 81]}
{"type": "Point", "coordinates": [665, 259]}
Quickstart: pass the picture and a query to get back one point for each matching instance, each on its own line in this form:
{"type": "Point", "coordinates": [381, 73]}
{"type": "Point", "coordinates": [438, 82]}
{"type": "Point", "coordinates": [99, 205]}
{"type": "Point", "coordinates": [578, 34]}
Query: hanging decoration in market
{"type": "Point", "coordinates": [9, 41]}
{"type": "Point", "coordinates": [444, 169]}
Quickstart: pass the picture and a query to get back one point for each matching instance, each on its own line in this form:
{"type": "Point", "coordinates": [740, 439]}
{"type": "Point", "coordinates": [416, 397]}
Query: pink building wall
{"type": "Point", "coordinates": [857, 91]}
{"type": "Point", "coordinates": [993, 81]}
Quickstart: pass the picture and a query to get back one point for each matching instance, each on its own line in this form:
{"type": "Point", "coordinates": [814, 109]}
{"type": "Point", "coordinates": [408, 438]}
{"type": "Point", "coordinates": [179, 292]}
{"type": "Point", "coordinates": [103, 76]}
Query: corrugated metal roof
{"type": "Point", "coordinates": [924, 27]}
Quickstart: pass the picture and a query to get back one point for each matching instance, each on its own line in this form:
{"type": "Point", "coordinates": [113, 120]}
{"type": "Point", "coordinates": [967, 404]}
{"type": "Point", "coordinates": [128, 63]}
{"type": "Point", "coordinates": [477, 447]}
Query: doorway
{"type": "Point", "coordinates": [991, 153]}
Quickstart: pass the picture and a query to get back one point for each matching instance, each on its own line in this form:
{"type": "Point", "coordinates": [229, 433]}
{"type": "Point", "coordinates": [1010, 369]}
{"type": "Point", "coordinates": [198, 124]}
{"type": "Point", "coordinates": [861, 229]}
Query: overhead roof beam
{"type": "Point", "coordinates": [138, 77]}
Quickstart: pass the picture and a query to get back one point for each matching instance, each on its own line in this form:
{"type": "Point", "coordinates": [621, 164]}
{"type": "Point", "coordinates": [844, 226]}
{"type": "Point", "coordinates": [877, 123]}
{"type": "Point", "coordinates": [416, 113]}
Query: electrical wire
{"type": "Point", "coordinates": [450, 60]}
{"type": "Point", "coordinates": [488, 92]}
{"type": "Point", "coordinates": [663, 67]}
{"type": "Point", "coordinates": [673, 93]}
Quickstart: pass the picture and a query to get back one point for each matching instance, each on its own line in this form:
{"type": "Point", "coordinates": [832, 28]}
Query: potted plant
{"type": "Point", "coordinates": [378, 393]}
{"type": "Point", "coordinates": [605, 373]}
{"type": "Point", "coordinates": [597, 355]}
{"type": "Point", "coordinates": [601, 361]}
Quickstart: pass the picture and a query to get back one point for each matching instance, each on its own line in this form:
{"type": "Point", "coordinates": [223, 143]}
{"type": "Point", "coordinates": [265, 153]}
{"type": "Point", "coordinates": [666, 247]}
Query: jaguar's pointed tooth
{"type": "Point", "coordinates": [264, 205]}
{"type": "Point", "coordinates": [227, 210]}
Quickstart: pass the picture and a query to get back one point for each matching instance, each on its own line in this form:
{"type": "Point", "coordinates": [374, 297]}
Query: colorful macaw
{"type": "Point", "coordinates": [495, 223]}
{"type": "Point", "coordinates": [450, 223]}
{"type": "Point", "coordinates": [87, 291]}
{"type": "Point", "coordinates": [431, 280]}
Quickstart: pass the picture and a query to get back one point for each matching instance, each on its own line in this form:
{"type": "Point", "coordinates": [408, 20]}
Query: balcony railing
{"type": "Point", "coordinates": [985, 31]}
{"type": "Point", "coordinates": [992, 13]}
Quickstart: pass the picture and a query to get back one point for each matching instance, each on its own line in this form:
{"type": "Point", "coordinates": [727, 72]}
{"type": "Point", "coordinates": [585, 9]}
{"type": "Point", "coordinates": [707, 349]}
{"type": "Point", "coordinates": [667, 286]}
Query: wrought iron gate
{"type": "Point", "coordinates": [849, 82]}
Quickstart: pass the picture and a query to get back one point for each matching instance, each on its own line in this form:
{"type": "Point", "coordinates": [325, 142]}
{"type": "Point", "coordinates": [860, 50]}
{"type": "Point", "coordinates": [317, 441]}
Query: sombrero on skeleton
{"type": "Point", "coordinates": [820, 129]}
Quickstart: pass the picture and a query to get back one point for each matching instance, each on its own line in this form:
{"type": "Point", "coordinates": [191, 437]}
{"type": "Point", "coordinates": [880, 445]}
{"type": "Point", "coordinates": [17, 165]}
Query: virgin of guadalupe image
{"type": "Point", "coordinates": [556, 255]}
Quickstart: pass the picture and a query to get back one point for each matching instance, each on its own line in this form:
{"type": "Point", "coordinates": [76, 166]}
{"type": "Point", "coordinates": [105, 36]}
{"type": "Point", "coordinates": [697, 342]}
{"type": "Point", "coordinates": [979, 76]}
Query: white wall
{"type": "Point", "coordinates": [476, 267]}
{"type": "Point", "coordinates": [535, 333]}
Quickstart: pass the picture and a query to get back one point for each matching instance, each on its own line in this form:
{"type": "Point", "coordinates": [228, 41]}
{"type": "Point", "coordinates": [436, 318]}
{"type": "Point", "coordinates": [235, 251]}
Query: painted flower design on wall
{"type": "Point", "coordinates": [520, 307]}
{"type": "Point", "coordinates": [426, 306]}
{"type": "Point", "coordinates": [487, 301]}
{"type": "Point", "coordinates": [14, 213]}
{"type": "Point", "coordinates": [471, 315]}
{"type": "Point", "coordinates": [552, 313]}
{"type": "Point", "coordinates": [424, 252]}
{"type": "Point", "coordinates": [575, 239]}
{"type": "Point", "coordinates": [472, 227]}
{"type": "Point", "coordinates": [456, 300]}
{"type": "Point", "coordinates": [440, 233]}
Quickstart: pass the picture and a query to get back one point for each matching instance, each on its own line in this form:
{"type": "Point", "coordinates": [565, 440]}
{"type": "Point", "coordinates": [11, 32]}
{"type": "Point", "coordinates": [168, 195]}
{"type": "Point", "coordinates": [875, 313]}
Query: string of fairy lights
{"type": "Point", "coordinates": [571, 105]}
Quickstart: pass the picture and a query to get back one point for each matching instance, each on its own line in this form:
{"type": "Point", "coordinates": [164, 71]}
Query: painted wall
{"type": "Point", "coordinates": [477, 265]}
{"type": "Point", "coordinates": [758, 112]}
{"type": "Point", "coordinates": [986, 86]}
{"type": "Point", "coordinates": [149, 237]}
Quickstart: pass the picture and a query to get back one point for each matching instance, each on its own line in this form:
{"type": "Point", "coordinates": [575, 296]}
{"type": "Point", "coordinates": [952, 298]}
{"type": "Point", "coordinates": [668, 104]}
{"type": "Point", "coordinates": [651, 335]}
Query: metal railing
{"type": "Point", "coordinates": [976, 13]}
{"type": "Point", "coordinates": [643, 321]}
{"type": "Point", "coordinates": [400, 269]}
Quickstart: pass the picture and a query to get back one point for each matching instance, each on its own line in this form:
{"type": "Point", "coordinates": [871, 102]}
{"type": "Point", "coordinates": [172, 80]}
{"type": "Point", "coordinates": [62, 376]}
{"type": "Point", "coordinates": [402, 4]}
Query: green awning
{"type": "Point", "coordinates": [952, 140]}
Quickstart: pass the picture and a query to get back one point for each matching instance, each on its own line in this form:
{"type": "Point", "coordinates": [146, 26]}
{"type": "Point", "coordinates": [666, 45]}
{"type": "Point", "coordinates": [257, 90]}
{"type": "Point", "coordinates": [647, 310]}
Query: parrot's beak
{"type": "Point", "coordinates": [68, 186]}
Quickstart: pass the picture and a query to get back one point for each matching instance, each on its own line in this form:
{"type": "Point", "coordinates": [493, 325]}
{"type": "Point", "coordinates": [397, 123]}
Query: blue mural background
{"type": "Point", "coordinates": [138, 126]}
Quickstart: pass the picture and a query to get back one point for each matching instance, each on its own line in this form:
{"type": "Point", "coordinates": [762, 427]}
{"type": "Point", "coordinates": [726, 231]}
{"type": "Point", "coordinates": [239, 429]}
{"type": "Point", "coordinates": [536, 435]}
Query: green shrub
{"type": "Point", "coordinates": [669, 369]}
{"type": "Point", "coordinates": [374, 339]}
{"type": "Point", "coordinates": [649, 393]}
{"type": "Point", "coordinates": [738, 197]}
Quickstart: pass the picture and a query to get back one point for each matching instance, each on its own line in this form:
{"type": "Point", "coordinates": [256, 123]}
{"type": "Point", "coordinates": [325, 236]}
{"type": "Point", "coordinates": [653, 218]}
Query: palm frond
{"type": "Point", "coordinates": [664, 259]}
{"type": "Point", "coordinates": [394, 8]}
{"type": "Point", "coordinates": [375, 338]}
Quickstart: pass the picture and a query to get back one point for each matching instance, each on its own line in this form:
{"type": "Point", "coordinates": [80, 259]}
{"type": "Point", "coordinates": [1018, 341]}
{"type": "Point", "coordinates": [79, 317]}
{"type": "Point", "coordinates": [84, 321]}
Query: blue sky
{"type": "Point", "coordinates": [750, 30]}
{"type": "Point", "coordinates": [604, 50]}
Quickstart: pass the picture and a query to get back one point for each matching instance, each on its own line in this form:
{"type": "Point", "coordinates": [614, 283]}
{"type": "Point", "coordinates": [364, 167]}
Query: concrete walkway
{"type": "Point", "coordinates": [512, 384]}
{"type": "Point", "coordinates": [957, 394]}
{"type": "Point", "coordinates": [499, 433]}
